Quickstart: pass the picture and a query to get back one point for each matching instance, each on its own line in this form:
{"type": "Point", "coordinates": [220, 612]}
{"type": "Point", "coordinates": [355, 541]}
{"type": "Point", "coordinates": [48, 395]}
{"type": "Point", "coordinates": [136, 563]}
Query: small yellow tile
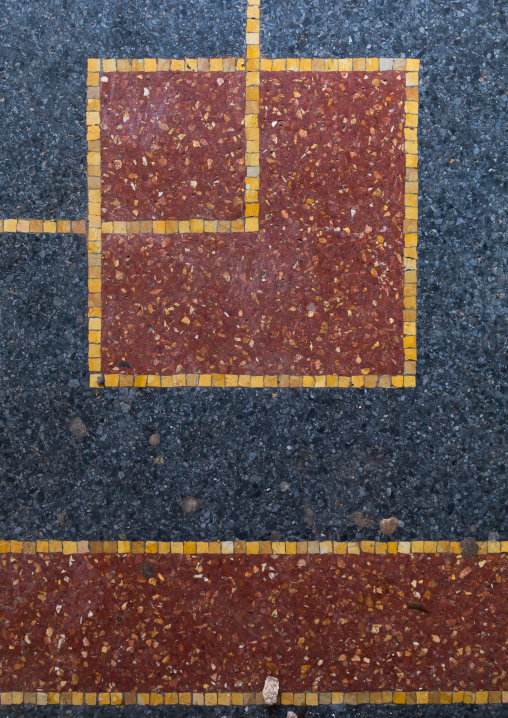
{"type": "Point", "coordinates": [150, 64]}
{"type": "Point", "coordinates": [109, 65]}
{"type": "Point", "coordinates": [10, 225]}
{"type": "Point", "coordinates": [159, 227]}
{"type": "Point", "coordinates": [318, 64]}
{"type": "Point", "coordinates": [346, 64]}
{"type": "Point", "coordinates": [372, 64]}
{"type": "Point", "coordinates": [404, 547]}
{"type": "Point", "coordinates": [340, 547]}
{"type": "Point", "coordinates": [412, 65]}
{"type": "Point", "coordinates": [69, 547]}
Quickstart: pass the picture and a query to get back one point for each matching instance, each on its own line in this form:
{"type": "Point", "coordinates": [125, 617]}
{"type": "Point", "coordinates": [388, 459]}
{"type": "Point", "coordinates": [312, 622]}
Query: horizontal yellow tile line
{"type": "Point", "coordinates": [364, 381]}
{"type": "Point", "coordinates": [37, 226]}
{"type": "Point", "coordinates": [380, 548]}
{"type": "Point", "coordinates": [189, 226]}
{"type": "Point", "coordinates": [421, 697]}
{"type": "Point", "coordinates": [232, 64]}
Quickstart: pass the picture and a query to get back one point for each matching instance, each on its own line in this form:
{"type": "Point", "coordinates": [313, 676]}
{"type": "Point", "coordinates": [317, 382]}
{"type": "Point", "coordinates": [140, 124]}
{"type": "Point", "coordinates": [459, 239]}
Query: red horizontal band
{"type": "Point", "coordinates": [207, 623]}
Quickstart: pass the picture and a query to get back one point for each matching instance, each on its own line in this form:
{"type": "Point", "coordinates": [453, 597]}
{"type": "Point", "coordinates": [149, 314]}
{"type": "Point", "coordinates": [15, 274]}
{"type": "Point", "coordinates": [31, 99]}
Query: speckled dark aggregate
{"type": "Point", "coordinates": [431, 457]}
{"type": "Point", "coordinates": [291, 462]}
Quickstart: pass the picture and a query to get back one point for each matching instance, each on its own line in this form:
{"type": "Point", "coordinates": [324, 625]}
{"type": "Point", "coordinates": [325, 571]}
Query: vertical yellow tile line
{"type": "Point", "coordinates": [94, 233]}
{"type": "Point", "coordinates": [410, 219]}
{"type": "Point", "coordinates": [252, 66]}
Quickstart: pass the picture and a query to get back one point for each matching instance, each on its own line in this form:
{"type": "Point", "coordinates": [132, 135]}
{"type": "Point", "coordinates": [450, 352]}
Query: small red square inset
{"type": "Point", "coordinates": [172, 145]}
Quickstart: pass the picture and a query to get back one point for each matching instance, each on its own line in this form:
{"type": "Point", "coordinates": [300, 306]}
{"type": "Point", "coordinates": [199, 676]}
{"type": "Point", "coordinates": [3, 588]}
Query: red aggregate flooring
{"type": "Point", "coordinates": [172, 145]}
{"type": "Point", "coordinates": [319, 289]}
{"type": "Point", "coordinates": [211, 623]}
{"type": "Point", "coordinates": [240, 304]}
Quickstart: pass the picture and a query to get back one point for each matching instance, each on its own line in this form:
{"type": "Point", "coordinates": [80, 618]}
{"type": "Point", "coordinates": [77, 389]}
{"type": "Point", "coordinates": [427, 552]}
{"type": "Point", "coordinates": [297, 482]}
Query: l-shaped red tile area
{"type": "Point", "coordinates": [223, 623]}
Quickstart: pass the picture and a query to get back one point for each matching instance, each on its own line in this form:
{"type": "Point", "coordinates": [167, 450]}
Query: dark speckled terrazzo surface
{"type": "Point", "coordinates": [263, 462]}
{"type": "Point", "coordinates": [431, 457]}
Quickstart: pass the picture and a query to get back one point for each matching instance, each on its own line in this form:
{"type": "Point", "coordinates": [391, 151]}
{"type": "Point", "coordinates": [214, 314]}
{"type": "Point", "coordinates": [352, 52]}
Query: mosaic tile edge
{"type": "Point", "coordinates": [423, 697]}
{"type": "Point", "coordinates": [379, 548]}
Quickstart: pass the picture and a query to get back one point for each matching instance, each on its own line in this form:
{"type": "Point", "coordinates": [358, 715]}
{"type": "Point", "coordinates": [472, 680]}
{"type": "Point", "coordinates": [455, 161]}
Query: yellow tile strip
{"type": "Point", "coordinates": [185, 64]}
{"type": "Point", "coordinates": [253, 54]}
{"type": "Point", "coordinates": [422, 697]}
{"type": "Point", "coordinates": [360, 381]}
{"type": "Point", "coordinates": [238, 64]}
{"type": "Point", "coordinates": [94, 237]}
{"type": "Point", "coordinates": [352, 548]}
{"type": "Point", "coordinates": [348, 64]}
{"type": "Point", "coordinates": [173, 226]}
{"type": "Point", "coordinates": [411, 67]}
{"type": "Point", "coordinates": [37, 226]}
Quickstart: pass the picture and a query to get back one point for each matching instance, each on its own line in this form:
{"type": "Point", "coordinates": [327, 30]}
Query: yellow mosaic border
{"type": "Point", "coordinates": [412, 67]}
{"type": "Point", "coordinates": [37, 226]}
{"type": "Point", "coordinates": [423, 697]}
{"type": "Point", "coordinates": [367, 381]}
{"type": "Point", "coordinates": [253, 548]}
{"type": "Point", "coordinates": [263, 64]}
{"type": "Point", "coordinates": [94, 233]}
{"type": "Point", "coordinates": [245, 381]}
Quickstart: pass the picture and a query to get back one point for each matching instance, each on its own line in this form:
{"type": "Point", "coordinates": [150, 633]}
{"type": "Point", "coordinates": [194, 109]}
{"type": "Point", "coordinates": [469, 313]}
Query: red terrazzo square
{"type": "Point", "coordinates": [172, 145]}
{"type": "Point", "coordinates": [319, 289]}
